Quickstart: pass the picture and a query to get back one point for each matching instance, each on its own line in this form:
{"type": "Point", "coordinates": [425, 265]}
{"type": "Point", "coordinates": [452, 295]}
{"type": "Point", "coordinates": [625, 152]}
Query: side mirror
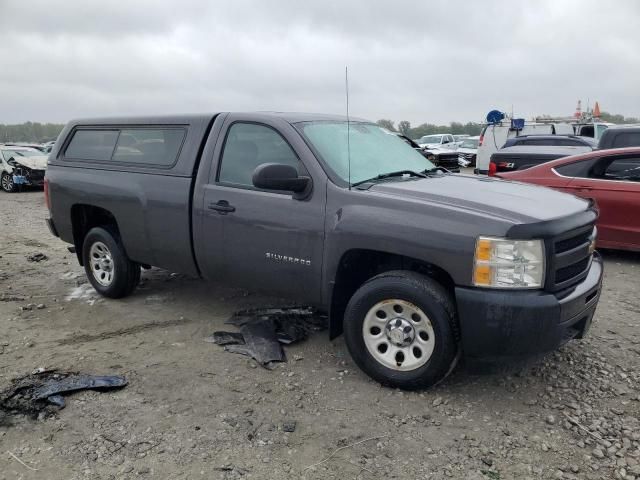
{"type": "Point", "coordinates": [276, 176]}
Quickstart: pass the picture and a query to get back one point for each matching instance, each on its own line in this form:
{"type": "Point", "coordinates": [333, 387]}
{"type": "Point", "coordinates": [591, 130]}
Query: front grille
{"type": "Point", "coordinates": [571, 258]}
{"type": "Point", "coordinates": [572, 271]}
{"type": "Point", "coordinates": [447, 160]}
{"type": "Point", "coordinates": [573, 242]}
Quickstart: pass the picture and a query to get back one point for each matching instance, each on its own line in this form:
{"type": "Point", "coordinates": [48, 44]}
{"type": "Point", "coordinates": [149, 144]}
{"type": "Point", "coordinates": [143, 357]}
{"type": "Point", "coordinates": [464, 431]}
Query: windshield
{"type": "Point", "coordinates": [600, 130]}
{"type": "Point", "coordinates": [373, 150]}
{"type": "Point", "coordinates": [431, 139]}
{"type": "Point", "coordinates": [467, 143]}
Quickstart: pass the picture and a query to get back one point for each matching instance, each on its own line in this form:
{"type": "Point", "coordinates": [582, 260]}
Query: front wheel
{"type": "Point", "coordinates": [399, 327]}
{"type": "Point", "coordinates": [107, 266]}
{"type": "Point", "coordinates": [7, 182]}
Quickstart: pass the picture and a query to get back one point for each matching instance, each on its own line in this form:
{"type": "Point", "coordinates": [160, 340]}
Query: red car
{"type": "Point", "coordinates": [610, 177]}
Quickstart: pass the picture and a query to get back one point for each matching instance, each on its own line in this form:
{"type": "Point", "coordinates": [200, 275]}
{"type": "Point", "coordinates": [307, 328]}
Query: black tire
{"type": "Point", "coordinates": [125, 274]}
{"type": "Point", "coordinates": [6, 183]}
{"type": "Point", "coordinates": [420, 291]}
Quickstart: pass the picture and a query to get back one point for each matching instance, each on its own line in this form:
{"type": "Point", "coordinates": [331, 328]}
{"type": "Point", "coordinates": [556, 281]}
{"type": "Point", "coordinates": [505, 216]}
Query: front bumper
{"type": "Point", "coordinates": [33, 178]}
{"type": "Point", "coordinates": [497, 324]}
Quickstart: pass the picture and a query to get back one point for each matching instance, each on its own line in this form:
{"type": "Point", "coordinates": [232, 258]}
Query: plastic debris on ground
{"type": "Point", "coordinates": [43, 390]}
{"type": "Point", "coordinates": [37, 257]}
{"type": "Point", "coordinates": [263, 331]}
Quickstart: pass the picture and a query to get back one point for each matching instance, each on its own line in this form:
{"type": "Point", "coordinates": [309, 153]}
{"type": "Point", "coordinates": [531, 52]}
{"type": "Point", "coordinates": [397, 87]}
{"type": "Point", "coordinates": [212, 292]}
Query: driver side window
{"type": "Point", "coordinates": [248, 145]}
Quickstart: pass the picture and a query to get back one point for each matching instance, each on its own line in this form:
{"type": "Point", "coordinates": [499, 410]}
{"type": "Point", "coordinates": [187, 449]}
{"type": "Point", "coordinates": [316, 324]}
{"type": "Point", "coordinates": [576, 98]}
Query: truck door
{"type": "Point", "coordinates": [271, 241]}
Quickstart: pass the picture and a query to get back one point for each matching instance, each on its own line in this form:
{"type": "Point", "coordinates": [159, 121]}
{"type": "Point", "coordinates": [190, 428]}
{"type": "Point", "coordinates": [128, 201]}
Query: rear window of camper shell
{"type": "Point", "coordinates": [147, 146]}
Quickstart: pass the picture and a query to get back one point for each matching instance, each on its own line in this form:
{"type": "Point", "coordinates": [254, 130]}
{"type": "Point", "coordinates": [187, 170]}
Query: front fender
{"type": "Point", "coordinates": [432, 236]}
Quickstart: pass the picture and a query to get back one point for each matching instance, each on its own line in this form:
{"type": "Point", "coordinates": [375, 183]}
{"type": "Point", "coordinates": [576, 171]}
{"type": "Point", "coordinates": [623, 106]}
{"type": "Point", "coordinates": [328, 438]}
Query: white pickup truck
{"type": "Point", "coordinates": [440, 140]}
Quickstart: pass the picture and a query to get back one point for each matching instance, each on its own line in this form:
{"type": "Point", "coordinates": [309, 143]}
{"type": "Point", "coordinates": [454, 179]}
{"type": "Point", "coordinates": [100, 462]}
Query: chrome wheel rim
{"type": "Point", "coordinates": [7, 182]}
{"type": "Point", "coordinates": [102, 266]}
{"type": "Point", "coordinates": [398, 334]}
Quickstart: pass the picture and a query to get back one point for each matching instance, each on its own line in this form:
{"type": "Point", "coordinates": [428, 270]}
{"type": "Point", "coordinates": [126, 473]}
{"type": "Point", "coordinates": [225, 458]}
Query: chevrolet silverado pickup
{"type": "Point", "coordinates": [415, 265]}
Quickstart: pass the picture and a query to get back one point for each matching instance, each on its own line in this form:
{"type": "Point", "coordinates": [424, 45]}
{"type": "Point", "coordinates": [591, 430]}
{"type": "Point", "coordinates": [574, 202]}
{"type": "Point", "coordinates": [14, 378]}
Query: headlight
{"type": "Point", "coordinates": [502, 263]}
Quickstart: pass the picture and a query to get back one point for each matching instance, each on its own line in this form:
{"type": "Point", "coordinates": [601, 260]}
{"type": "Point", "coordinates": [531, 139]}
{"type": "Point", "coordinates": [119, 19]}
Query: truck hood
{"type": "Point", "coordinates": [37, 162]}
{"type": "Point", "coordinates": [512, 201]}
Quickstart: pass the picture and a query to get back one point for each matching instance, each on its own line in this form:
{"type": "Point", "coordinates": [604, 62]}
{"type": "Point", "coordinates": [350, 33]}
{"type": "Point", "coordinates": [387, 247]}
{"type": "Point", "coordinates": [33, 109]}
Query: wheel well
{"type": "Point", "coordinates": [86, 217]}
{"type": "Point", "coordinates": [358, 266]}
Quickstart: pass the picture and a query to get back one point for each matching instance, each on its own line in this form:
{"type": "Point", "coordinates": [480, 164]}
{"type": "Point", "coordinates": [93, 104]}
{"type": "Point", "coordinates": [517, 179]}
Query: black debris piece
{"type": "Point", "coordinates": [75, 382]}
{"type": "Point", "coordinates": [225, 338]}
{"type": "Point", "coordinates": [42, 391]}
{"type": "Point", "coordinates": [260, 343]}
{"type": "Point", "coordinates": [37, 257]}
{"type": "Point", "coordinates": [263, 331]}
{"type": "Point", "coordinates": [289, 426]}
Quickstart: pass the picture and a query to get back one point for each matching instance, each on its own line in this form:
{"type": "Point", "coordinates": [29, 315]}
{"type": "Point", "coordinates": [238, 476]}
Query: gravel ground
{"type": "Point", "coordinates": [193, 411]}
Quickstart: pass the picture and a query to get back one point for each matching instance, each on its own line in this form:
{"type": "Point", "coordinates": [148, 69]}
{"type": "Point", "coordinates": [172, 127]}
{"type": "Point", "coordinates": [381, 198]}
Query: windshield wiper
{"type": "Point", "coordinates": [382, 176]}
{"type": "Point", "coordinates": [434, 170]}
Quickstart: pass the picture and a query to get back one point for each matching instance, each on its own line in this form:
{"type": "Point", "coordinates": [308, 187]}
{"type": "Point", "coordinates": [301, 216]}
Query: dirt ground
{"type": "Point", "coordinates": [193, 411]}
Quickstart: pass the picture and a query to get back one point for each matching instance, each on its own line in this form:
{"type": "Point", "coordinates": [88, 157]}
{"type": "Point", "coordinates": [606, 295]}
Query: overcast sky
{"type": "Point", "coordinates": [418, 61]}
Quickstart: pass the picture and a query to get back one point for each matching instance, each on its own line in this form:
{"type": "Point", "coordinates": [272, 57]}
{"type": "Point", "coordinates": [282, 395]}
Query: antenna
{"type": "Point", "coordinates": [346, 85]}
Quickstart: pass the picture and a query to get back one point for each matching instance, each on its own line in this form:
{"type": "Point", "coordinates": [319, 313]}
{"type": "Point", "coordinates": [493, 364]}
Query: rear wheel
{"type": "Point", "coordinates": [107, 266]}
{"type": "Point", "coordinates": [7, 182]}
{"type": "Point", "coordinates": [399, 328]}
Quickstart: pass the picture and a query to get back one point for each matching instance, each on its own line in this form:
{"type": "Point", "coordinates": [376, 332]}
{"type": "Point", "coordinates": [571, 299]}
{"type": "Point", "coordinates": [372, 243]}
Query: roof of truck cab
{"type": "Point", "coordinates": [185, 119]}
{"type": "Point", "coordinates": [145, 120]}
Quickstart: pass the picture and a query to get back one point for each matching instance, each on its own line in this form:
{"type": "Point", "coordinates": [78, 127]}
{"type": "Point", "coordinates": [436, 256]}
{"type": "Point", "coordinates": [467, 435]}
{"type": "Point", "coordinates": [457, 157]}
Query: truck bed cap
{"type": "Point", "coordinates": [185, 119]}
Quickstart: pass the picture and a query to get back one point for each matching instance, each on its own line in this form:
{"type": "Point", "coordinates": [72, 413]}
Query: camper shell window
{"type": "Point", "coordinates": [148, 146]}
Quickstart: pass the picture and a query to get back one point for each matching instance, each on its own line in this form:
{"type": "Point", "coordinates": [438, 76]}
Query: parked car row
{"type": "Point", "coordinates": [449, 151]}
{"type": "Point", "coordinates": [440, 157]}
{"type": "Point", "coordinates": [610, 177]}
{"type": "Point", "coordinates": [499, 134]}
{"type": "Point", "coordinates": [525, 151]}
{"type": "Point", "coordinates": [607, 173]}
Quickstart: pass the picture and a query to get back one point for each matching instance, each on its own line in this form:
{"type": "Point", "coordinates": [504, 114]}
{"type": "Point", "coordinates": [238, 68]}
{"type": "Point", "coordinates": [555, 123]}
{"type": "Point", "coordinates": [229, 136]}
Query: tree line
{"type": "Point", "coordinates": [32, 132]}
{"type": "Point", "coordinates": [455, 128]}
{"type": "Point", "coordinates": [35, 132]}
{"type": "Point", "coordinates": [471, 128]}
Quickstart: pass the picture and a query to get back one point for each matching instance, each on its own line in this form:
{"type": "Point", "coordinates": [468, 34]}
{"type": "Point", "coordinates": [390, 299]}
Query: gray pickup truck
{"type": "Point", "coordinates": [417, 266]}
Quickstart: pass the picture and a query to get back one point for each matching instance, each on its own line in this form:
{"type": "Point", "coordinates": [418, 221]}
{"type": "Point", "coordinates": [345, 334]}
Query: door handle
{"type": "Point", "coordinates": [222, 207]}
